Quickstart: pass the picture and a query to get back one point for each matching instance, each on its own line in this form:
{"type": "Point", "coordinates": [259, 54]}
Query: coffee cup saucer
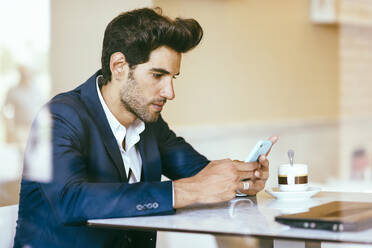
{"type": "Point", "coordinates": [293, 195]}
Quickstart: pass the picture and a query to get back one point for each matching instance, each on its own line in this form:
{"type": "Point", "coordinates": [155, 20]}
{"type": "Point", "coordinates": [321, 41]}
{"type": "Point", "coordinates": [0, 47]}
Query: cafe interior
{"type": "Point", "coordinates": [298, 69]}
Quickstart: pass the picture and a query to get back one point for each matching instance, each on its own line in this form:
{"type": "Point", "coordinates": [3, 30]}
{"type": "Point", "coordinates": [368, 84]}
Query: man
{"type": "Point", "coordinates": [21, 105]}
{"type": "Point", "coordinates": [111, 145]}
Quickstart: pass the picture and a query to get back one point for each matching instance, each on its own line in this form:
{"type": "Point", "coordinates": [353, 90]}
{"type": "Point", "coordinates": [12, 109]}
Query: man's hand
{"type": "Point", "coordinates": [217, 182]}
{"type": "Point", "coordinates": [258, 181]}
{"type": "Point", "coordinates": [220, 180]}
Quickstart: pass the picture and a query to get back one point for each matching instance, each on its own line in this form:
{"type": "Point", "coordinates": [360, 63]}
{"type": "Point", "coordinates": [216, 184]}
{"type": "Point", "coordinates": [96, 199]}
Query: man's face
{"type": "Point", "coordinates": [150, 85]}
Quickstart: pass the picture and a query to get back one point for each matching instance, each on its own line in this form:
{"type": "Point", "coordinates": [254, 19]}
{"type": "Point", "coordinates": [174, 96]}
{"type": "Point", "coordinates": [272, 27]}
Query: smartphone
{"type": "Point", "coordinates": [261, 148]}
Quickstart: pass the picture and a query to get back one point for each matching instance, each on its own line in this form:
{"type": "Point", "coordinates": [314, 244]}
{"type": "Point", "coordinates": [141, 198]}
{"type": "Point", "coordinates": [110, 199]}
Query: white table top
{"type": "Point", "coordinates": [253, 216]}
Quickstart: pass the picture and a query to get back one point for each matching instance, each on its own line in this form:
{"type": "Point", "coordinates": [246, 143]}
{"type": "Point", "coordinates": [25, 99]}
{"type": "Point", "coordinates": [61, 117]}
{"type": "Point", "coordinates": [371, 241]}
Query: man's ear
{"type": "Point", "coordinates": [118, 65]}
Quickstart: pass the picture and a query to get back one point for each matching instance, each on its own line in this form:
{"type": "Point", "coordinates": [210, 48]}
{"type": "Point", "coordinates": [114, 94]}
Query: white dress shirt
{"type": "Point", "coordinates": [130, 155]}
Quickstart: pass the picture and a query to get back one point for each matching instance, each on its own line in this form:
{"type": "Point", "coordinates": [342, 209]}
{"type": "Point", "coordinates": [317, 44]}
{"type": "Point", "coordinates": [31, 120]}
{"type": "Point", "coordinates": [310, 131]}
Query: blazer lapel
{"type": "Point", "coordinates": [151, 164]}
{"type": "Point", "coordinates": [90, 98]}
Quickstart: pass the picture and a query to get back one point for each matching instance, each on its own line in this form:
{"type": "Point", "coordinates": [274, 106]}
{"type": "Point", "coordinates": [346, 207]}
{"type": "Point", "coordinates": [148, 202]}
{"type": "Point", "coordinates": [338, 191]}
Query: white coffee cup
{"type": "Point", "coordinates": [293, 177]}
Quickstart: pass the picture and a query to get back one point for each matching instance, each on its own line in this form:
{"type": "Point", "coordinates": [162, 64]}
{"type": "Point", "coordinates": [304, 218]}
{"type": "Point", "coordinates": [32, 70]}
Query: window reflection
{"type": "Point", "coordinates": [24, 78]}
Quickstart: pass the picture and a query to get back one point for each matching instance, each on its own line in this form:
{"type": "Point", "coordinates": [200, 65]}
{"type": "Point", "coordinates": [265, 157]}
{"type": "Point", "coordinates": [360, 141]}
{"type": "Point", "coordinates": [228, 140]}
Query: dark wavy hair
{"type": "Point", "coordinates": [137, 33]}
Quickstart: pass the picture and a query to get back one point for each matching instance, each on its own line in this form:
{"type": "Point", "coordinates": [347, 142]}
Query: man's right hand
{"type": "Point", "coordinates": [217, 182]}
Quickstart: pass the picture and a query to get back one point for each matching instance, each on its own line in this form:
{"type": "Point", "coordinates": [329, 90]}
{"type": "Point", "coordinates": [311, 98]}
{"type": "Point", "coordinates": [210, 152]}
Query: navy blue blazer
{"type": "Point", "coordinates": [89, 179]}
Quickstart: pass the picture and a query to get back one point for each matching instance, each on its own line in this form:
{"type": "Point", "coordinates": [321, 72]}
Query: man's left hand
{"type": "Point", "coordinates": [258, 181]}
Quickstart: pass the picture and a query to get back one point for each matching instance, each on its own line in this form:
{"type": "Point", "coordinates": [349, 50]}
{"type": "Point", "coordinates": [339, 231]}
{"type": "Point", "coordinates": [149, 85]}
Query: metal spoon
{"type": "Point", "coordinates": [290, 156]}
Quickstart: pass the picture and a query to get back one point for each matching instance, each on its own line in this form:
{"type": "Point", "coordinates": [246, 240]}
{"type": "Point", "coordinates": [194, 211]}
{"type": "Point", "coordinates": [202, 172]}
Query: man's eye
{"type": "Point", "coordinates": [157, 75]}
{"type": "Point", "coordinates": [175, 76]}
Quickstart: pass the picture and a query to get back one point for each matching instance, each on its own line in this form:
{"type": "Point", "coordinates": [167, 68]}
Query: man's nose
{"type": "Point", "coordinates": [168, 91]}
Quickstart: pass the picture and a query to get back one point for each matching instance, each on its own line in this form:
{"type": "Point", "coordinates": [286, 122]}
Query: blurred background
{"type": "Point", "coordinates": [299, 69]}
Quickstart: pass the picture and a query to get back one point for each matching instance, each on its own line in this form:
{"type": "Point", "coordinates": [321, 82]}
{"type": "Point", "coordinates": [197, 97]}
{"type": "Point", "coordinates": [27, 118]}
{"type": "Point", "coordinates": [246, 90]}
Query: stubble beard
{"type": "Point", "coordinates": [132, 99]}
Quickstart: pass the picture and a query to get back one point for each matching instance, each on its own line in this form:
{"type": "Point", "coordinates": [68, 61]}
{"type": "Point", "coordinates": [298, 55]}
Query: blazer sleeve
{"type": "Point", "coordinates": [75, 198]}
{"type": "Point", "coordinates": [179, 158]}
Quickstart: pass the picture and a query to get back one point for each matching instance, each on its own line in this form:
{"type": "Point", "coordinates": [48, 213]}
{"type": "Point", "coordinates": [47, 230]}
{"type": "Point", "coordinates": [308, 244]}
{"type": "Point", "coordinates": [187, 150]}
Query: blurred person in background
{"type": "Point", "coordinates": [22, 103]}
